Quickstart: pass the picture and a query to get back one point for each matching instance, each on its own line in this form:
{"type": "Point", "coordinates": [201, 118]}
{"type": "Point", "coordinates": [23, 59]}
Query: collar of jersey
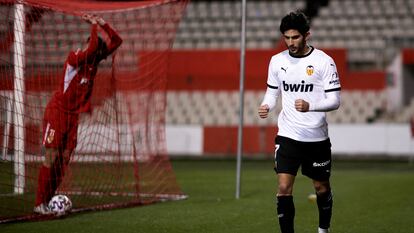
{"type": "Point", "coordinates": [305, 55]}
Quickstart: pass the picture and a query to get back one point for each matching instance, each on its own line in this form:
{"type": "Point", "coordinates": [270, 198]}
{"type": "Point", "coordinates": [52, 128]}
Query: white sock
{"type": "Point", "coordinates": [320, 230]}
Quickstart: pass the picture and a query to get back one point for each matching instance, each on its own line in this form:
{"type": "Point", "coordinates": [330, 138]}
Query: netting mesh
{"type": "Point", "coordinates": [120, 158]}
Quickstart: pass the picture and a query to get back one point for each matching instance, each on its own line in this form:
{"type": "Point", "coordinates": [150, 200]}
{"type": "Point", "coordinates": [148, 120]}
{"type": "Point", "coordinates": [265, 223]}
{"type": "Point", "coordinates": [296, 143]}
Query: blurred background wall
{"type": "Point", "coordinates": [372, 43]}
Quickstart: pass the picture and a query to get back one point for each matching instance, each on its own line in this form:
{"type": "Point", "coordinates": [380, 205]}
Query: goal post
{"type": "Point", "coordinates": [19, 89]}
{"type": "Point", "coordinates": [120, 157]}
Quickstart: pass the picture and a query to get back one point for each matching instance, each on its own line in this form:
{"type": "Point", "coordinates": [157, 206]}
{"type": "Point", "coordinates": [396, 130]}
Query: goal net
{"type": "Point", "coordinates": [120, 158]}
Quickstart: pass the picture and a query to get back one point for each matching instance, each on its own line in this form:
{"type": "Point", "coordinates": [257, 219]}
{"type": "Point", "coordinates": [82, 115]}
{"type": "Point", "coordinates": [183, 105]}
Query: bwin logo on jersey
{"type": "Point", "coordinates": [297, 87]}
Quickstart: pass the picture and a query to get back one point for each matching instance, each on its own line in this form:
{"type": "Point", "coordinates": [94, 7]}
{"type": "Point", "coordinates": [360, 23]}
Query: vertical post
{"type": "Point", "coordinates": [19, 137]}
{"type": "Point", "coordinates": [240, 131]}
{"type": "Point", "coordinates": [8, 96]}
{"type": "Point", "coordinates": [411, 158]}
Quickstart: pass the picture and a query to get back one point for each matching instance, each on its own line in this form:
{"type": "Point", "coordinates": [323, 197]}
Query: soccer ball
{"type": "Point", "coordinates": [312, 197]}
{"type": "Point", "coordinates": [60, 204]}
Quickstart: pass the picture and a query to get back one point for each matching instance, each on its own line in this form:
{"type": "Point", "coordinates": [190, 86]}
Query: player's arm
{"type": "Point", "coordinates": [331, 102]}
{"type": "Point", "coordinates": [81, 56]}
{"type": "Point", "coordinates": [115, 39]}
{"type": "Point", "coordinates": [332, 86]}
{"type": "Point", "coordinates": [269, 101]}
{"type": "Point", "coordinates": [271, 95]}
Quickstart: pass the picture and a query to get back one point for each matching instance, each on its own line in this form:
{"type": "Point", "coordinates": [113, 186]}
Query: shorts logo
{"type": "Point", "coordinates": [51, 136]}
{"type": "Point", "coordinates": [323, 164]}
{"type": "Point", "coordinates": [309, 70]}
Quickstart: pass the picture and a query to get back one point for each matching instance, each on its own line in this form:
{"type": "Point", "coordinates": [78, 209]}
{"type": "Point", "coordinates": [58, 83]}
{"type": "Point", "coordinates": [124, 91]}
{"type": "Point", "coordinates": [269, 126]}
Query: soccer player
{"type": "Point", "coordinates": [60, 120]}
{"type": "Point", "coordinates": [308, 82]}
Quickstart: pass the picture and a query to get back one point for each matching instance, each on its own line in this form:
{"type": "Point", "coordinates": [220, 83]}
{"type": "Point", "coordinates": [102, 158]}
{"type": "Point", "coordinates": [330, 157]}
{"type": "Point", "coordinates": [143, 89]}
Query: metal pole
{"type": "Point", "coordinates": [8, 122]}
{"type": "Point", "coordinates": [19, 30]}
{"type": "Point", "coordinates": [240, 131]}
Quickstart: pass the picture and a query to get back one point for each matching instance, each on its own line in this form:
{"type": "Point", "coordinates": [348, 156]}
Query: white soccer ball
{"type": "Point", "coordinates": [312, 197]}
{"type": "Point", "coordinates": [60, 204]}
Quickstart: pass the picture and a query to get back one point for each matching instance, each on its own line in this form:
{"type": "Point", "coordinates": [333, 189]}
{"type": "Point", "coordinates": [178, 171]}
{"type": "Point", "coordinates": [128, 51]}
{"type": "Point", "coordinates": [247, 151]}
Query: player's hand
{"type": "Point", "coordinates": [263, 111]}
{"type": "Point", "coordinates": [301, 105]}
{"type": "Point", "coordinates": [100, 20]}
{"type": "Point", "coordinates": [89, 18]}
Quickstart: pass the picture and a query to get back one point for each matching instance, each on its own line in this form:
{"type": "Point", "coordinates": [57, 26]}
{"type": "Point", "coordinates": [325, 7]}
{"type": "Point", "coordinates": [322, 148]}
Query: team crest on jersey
{"type": "Point", "coordinates": [309, 70]}
{"type": "Point", "coordinates": [51, 136]}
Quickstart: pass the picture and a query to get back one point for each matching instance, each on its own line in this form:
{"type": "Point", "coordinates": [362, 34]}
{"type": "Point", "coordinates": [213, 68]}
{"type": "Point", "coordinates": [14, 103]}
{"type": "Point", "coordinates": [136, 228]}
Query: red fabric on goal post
{"type": "Point", "coordinates": [120, 158]}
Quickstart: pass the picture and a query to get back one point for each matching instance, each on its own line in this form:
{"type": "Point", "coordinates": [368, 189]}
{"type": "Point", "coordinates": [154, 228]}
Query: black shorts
{"type": "Point", "coordinates": [313, 157]}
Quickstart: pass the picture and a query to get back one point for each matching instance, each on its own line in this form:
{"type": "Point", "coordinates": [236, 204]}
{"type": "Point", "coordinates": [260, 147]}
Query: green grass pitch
{"type": "Point", "coordinates": [369, 197]}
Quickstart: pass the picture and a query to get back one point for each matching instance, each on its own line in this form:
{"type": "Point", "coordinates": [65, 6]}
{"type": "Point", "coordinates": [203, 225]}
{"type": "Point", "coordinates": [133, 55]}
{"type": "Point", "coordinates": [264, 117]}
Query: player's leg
{"type": "Point", "coordinates": [43, 193]}
{"type": "Point", "coordinates": [325, 202]}
{"type": "Point", "coordinates": [318, 167]}
{"type": "Point", "coordinates": [286, 166]}
{"type": "Point", "coordinates": [52, 137]}
{"type": "Point", "coordinates": [58, 170]}
{"type": "Point", "coordinates": [69, 141]}
{"type": "Point", "coordinates": [43, 182]}
{"type": "Point", "coordinates": [285, 204]}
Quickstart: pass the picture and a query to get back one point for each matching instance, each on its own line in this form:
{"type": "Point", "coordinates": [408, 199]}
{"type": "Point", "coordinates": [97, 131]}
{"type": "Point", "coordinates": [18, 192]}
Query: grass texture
{"type": "Point", "coordinates": [369, 197]}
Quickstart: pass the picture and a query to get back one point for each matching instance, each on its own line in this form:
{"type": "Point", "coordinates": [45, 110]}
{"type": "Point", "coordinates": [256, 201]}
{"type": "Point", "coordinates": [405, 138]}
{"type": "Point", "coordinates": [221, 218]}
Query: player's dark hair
{"type": "Point", "coordinates": [101, 49]}
{"type": "Point", "coordinates": [295, 20]}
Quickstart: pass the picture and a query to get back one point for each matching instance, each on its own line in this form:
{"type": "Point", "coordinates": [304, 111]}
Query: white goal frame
{"type": "Point", "coordinates": [19, 88]}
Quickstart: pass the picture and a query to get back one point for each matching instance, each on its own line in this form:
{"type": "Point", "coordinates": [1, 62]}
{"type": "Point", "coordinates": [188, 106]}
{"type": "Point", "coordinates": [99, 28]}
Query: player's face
{"type": "Point", "coordinates": [296, 42]}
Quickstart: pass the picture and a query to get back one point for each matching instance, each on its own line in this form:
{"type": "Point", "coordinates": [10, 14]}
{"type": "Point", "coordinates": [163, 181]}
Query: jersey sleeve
{"type": "Point", "coordinates": [331, 102]}
{"type": "Point", "coordinates": [115, 39]}
{"type": "Point", "coordinates": [332, 86]}
{"type": "Point", "coordinates": [273, 89]}
{"type": "Point", "coordinates": [74, 58]}
{"type": "Point", "coordinates": [331, 76]}
{"type": "Point", "coordinates": [272, 76]}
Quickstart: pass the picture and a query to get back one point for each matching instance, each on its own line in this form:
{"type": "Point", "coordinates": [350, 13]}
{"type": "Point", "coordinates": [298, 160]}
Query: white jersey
{"type": "Point", "coordinates": [308, 77]}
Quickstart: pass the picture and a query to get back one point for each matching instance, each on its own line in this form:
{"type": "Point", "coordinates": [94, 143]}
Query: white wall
{"type": "Point", "coordinates": [347, 139]}
{"type": "Point", "coordinates": [386, 139]}
{"type": "Point", "coordinates": [184, 139]}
